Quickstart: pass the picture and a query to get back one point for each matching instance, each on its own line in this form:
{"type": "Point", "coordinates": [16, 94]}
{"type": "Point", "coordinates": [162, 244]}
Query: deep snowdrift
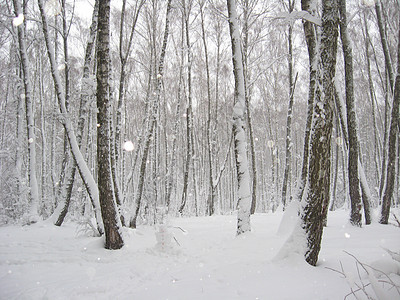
{"type": "Point", "coordinates": [43, 261]}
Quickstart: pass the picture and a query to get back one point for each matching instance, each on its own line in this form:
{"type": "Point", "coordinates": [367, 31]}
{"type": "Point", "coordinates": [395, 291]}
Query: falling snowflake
{"type": "Point", "coordinates": [61, 67]}
{"type": "Point", "coordinates": [270, 144]}
{"type": "Point", "coordinates": [18, 20]}
{"type": "Point", "coordinates": [128, 146]}
{"type": "Point", "coordinates": [30, 141]}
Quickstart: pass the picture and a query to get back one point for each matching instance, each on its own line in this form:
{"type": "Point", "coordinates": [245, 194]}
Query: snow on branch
{"type": "Point", "coordinates": [295, 15]}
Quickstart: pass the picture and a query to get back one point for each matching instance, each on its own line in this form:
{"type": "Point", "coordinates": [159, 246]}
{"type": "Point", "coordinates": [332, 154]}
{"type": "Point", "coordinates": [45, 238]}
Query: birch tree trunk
{"type": "Point", "coordinates": [354, 181]}
{"type": "Point", "coordinates": [84, 171]}
{"type": "Point", "coordinates": [311, 40]}
{"type": "Point", "coordinates": [63, 205]}
{"type": "Point", "coordinates": [30, 122]}
{"type": "Point", "coordinates": [317, 200]}
{"type": "Point", "coordinates": [242, 165]}
{"type": "Point", "coordinates": [393, 136]}
{"type": "Point", "coordinates": [109, 211]}
{"type": "Point", "coordinates": [153, 109]}
{"type": "Point", "coordinates": [189, 112]}
{"type": "Point", "coordinates": [288, 153]}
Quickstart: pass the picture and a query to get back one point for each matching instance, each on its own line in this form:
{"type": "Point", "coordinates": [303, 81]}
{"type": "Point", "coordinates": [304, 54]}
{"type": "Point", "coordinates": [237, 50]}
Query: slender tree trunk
{"type": "Point", "coordinates": [84, 171]}
{"type": "Point", "coordinates": [288, 152]}
{"type": "Point", "coordinates": [354, 181]}
{"type": "Point", "coordinates": [242, 166]}
{"type": "Point", "coordinates": [30, 122]}
{"type": "Point", "coordinates": [311, 40]}
{"type": "Point", "coordinates": [246, 16]}
{"type": "Point", "coordinates": [393, 136]}
{"type": "Point", "coordinates": [154, 105]}
{"type": "Point", "coordinates": [109, 211]}
{"type": "Point", "coordinates": [211, 190]}
{"type": "Point", "coordinates": [189, 112]}
{"type": "Point", "coordinates": [62, 208]}
{"type": "Point", "coordinates": [315, 209]}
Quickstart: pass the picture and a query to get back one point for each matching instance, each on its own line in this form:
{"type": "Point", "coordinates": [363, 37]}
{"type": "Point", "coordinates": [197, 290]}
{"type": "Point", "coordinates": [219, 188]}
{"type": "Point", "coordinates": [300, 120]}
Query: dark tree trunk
{"type": "Point", "coordinates": [315, 208]}
{"type": "Point", "coordinates": [393, 136]}
{"type": "Point", "coordinates": [311, 40]}
{"type": "Point", "coordinates": [105, 181]}
{"type": "Point", "coordinates": [354, 181]}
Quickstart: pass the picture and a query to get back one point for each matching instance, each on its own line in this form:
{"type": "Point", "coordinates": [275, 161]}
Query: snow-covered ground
{"type": "Point", "coordinates": [43, 261]}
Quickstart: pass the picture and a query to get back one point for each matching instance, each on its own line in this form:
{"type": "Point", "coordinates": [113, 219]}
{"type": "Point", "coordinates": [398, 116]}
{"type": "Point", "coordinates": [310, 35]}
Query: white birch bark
{"type": "Point", "coordinates": [242, 165]}
{"type": "Point", "coordinates": [84, 171]}
{"type": "Point", "coordinates": [31, 139]}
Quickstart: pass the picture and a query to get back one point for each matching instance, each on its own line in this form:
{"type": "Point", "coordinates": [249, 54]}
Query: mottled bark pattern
{"type": "Point", "coordinates": [393, 136]}
{"type": "Point", "coordinates": [311, 41]}
{"type": "Point", "coordinates": [242, 166]}
{"type": "Point", "coordinates": [354, 181]}
{"type": "Point", "coordinates": [315, 209]}
{"type": "Point", "coordinates": [105, 183]}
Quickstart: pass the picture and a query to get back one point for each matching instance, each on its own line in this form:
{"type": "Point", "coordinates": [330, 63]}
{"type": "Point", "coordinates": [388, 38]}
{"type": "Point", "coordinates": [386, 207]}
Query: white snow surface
{"type": "Point", "coordinates": [42, 261]}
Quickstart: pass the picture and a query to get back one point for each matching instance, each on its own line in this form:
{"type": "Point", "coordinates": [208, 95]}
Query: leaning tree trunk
{"type": "Point", "coordinates": [393, 136]}
{"type": "Point", "coordinates": [242, 165]}
{"type": "Point", "coordinates": [354, 181]}
{"type": "Point", "coordinates": [311, 40]}
{"type": "Point", "coordinates": [66, 191]}
{"type": "Point", "coordinates": [317, 200]}
{"type": "Point", "coordinates": [84, 171]}
{"type": "Point", "coordinates": [109, 211]}
{"type": "Point", "coordinates": [30, 122]}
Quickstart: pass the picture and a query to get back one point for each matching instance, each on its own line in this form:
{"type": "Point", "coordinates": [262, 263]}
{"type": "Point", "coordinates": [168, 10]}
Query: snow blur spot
{"type": "Point", "coordinates": [98, 125]}
{"type": "Point", "coordinates": [98, 259]}
{"type": "Point", "coordinates": [18, 20]}
{"type": "Point", "coordinates": [61, 67]}
{"type": "Point", "coordinates": [201, 265]}
{"type": "Point", "coordinates": [52, 8]}
{"type": "Point", "coordinates": [368, 2]}
{"type": "Point", "coordinates": [22, 96]}
{"type": "Point", "coordinates": [128, 146]}
{"type": "Point", "coordinates": [339, 141]}
{"type": "Point", "coordinates": [347, 235]}
{"type": "Point", "coordinates": [270, 144]}
{"type": "Point", "coordinates": [9, 272]}
{"type": "Point", "coordinates": [30, 141]}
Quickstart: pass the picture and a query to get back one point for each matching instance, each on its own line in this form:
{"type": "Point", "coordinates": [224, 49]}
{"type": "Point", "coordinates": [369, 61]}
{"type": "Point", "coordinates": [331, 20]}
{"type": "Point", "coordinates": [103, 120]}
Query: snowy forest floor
{"type": "Point", "coordinates": [43, 261]}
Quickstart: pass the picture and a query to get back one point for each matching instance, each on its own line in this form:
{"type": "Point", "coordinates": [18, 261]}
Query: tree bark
{"type": "Point", "coordinates": [315, 208]}
{"type": "Point", "coordinates": [30, 122]}
{"type": "Point", "coordinates": [393, 136]}
{"type": "Point", "coordinates": [288, 138]}
{"type": "Point", "coordinates": [311, 40]}
{"type": "Point", "coordinates": [354, 181]}
{"type": "Point", "coordinates": [242, 165]}
{"type": "Point", "coordinates": [109, 211]}
{"type": "Point", "coordinates": [84, 171]}
{"type": "Point", "coordinates": [62, 208]}
{"type": "Point", "coordinates": [154, 106]}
